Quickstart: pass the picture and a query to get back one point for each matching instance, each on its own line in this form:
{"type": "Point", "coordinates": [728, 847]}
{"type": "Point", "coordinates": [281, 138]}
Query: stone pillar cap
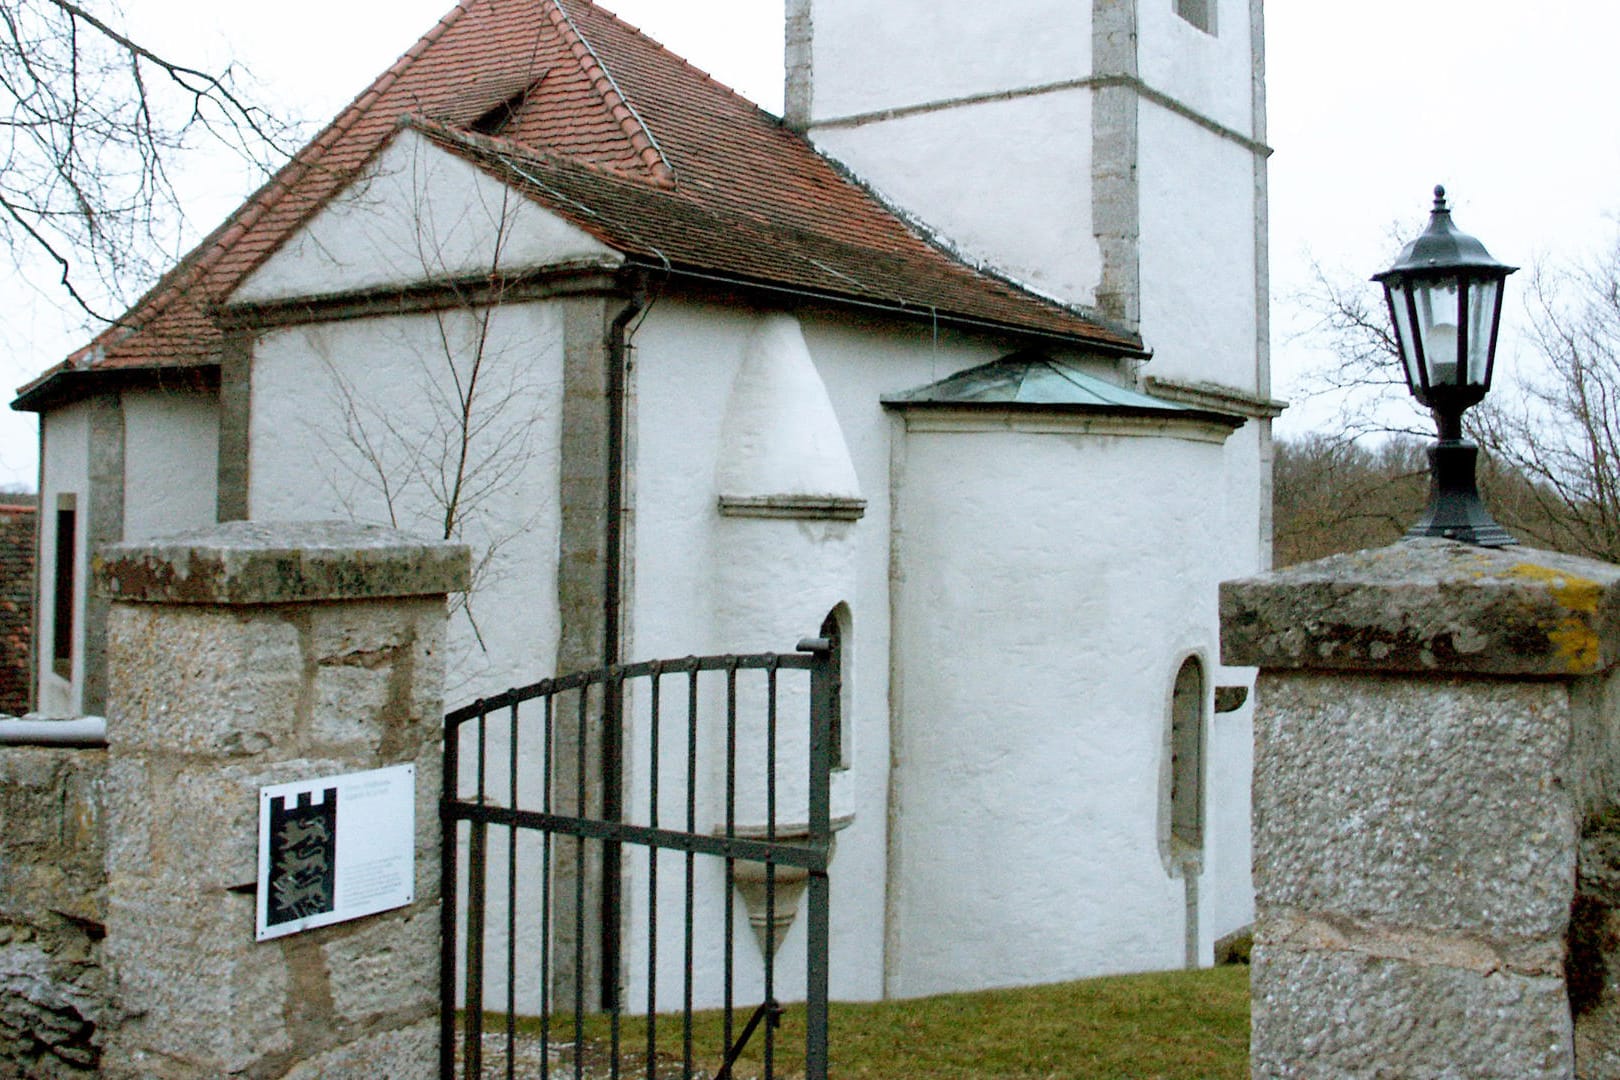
{"type": "Point", "coordinates": [1428, 606]}
{"type": "Point", "coordinates": [254, 562]}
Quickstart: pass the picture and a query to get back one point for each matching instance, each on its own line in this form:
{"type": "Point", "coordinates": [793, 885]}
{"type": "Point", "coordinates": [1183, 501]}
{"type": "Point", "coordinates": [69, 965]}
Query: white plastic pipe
{"type": "Point", "coordinates": [35, 731]}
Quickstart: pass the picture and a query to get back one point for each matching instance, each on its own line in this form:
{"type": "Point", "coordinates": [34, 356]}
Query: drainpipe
{"type": "Point", "coordinates": [618, 365]}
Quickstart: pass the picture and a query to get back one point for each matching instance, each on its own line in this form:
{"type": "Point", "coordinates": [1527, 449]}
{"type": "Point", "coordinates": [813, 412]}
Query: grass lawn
{"type": "Point", "coordinates": [1183, 1025]}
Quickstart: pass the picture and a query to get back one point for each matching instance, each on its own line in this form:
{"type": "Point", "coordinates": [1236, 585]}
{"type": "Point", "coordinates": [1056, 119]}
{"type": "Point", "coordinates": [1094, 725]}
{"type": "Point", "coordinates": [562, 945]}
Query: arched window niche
{"type": "Point", "coordinates": [1182, 801]}
{"type": "Point", "coordinates": [835, 628]}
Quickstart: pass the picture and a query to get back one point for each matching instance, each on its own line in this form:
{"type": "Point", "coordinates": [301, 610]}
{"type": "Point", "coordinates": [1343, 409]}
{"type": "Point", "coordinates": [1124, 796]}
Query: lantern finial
{"type": "Point", "coordinates": [1445, 302]}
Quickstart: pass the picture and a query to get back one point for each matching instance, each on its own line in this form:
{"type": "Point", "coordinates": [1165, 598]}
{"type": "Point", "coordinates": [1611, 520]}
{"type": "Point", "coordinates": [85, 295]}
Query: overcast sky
{"type": "Point", "coordinates": [1510, 105]}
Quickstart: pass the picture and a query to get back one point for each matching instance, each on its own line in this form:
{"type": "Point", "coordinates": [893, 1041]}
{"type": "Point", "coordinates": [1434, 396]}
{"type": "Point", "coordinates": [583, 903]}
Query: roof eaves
{"type": "Point", "coordinates": [1201, 416]}
{"type": "Point", "coordinates": [1129, 336]}
{"type": "Point", "coordinates": [897, 307]}
{"type": "Point", "coordinates": [62, 384]}
{"type": "Point", "coordinates": [1216, 396]}
{"type": "Point", "coordinates": [1032, 382]}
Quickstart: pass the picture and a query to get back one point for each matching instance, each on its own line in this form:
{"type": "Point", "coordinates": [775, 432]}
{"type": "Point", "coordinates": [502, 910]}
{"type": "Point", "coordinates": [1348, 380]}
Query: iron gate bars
{"type": "Point", "coordinates": [574, 837]}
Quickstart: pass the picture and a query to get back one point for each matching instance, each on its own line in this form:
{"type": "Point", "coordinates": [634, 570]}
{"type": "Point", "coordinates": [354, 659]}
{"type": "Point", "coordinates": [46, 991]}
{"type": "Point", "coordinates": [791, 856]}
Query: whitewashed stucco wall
{"type": "Point", "coordinates": [1210, 72]}
{"type": "Point", "coordinates": [687, 358]}
{"type": "Point", "coordinates": [171, 461]}
{"type": "Point", "coordinates": [1050, 585]}
{"type": "Point", "coordinates": [911, 52]}
{"type": "Point", "coordinates": [65, 471]}
{"type": "Point", "coordinates": [320, 390]}
{"type": "Point", "coordinates": [1201, 314]}
{"type": "Point", "coordinates": [982, 176]}
{"type": "Point", "coordinates": [1246, 491]}
{"type": "Point", "coordinates": [418, 214]}
{"type": "Point", "coordinates": [1197, 253]}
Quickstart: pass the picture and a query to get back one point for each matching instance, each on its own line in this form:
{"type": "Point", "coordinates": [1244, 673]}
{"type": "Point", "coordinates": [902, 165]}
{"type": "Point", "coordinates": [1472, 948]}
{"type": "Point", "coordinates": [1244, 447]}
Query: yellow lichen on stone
{"type": "Point", "coordinates": [1575, 593]}
{"type": "Point", "coordinates": [1577, 643]}
{"type": "Point", "coordinates": [1575, 637]}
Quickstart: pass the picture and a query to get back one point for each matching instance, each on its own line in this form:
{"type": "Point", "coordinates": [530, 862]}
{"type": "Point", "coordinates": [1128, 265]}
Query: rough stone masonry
{"type": "Point", "coordinates": [53, 897]}
{"type": "Point", "coordinates": [1437, 771]}
{"type": "Point", "coordinates": [239, 657]}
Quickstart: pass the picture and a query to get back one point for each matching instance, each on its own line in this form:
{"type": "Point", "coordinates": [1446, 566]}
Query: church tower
{"type": "Point", "coordinates": [1110, 153]}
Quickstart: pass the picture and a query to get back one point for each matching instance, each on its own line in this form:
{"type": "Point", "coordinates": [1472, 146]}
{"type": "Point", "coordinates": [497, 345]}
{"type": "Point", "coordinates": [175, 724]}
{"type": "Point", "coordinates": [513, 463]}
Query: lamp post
{"type": "Point", "coordinates": [1445, 299]}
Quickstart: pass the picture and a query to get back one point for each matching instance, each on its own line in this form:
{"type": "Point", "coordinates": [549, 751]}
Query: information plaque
{"type": "Point", "coordinates": [335, 849]}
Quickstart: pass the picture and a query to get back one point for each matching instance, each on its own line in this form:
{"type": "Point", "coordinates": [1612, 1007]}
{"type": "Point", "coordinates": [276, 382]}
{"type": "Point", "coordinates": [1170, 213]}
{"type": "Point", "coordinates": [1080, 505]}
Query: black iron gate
{"type": "Point", "coordinates": [539, 775]}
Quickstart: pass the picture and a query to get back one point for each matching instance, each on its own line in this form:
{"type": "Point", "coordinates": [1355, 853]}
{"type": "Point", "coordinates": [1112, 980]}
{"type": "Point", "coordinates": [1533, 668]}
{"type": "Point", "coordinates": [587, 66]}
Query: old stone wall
{"type": "Point", "coordinates": [1436, 813]}
{"type": "Point", "coordinates": [1414, 861]}
{"type": "Point", "coordinates": [54, 1007]}
{"type": "Point", "coordinates": [269, 696]}
{"type": "Point", "coordinates": [1593, 956]}
{"type": "Point", "coordinates": [240, 657]}
{"type": "Point", "coordinates": [17, 541]}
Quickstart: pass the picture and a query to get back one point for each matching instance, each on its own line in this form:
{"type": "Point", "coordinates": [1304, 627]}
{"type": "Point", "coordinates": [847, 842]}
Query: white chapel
{"type": "Point", "coordinates": [966, 353]}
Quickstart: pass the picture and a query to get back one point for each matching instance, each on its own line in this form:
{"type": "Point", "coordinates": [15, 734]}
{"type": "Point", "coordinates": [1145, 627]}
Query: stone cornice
{"type": "Point", "coordinates": [1428, 607]}
{"type": "Point", "coordinates": [584, 278]}
{"type": "Point", "coordinates": [244, 562]}
{"type": "Point", "coordinates": [1191, 427]}
{"type": "Point", "coordinates": [1129, 81]}
{"type": "Point", "coordinates": [1216, 397]}
{"type": "Point", "coordinates": [800, 507]}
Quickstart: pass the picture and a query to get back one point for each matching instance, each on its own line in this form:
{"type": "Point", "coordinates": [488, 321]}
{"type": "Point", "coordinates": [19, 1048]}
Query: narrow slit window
{"type": "Point", "coordinates": [1187, 757]}
{"type": "Point", "coordinates": [835, 629]}
{"type": "Point", "coordinates": [1201, 13]}
{"type": "Point", "coordinates": [67, 529]}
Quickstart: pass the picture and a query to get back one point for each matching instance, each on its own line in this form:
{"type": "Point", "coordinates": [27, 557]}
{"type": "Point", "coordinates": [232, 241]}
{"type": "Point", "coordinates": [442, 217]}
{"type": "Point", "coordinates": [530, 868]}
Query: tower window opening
{"type": "Point", "coordinates": [1201, 13]}
{"type": "Point", "coordinates": [62, 595]}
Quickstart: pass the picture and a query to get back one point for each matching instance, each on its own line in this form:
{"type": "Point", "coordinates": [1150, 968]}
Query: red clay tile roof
{"type": "Point", "coordinates": [605, 127]}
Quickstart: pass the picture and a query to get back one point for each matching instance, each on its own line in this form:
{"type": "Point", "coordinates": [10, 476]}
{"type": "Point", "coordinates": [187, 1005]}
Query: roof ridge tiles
{"type": "Point", "coordinates": [635, 130]}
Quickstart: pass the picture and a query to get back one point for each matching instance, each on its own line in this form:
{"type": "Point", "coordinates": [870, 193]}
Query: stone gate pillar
{"type": "Point", "coordinates": [247, 655]}
{"type": "Point", "coordinates": [1436, 776]}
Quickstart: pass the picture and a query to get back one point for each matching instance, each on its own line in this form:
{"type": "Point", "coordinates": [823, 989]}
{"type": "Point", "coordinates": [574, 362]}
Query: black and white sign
{"type": "Point", "coordinates": [336, 849]}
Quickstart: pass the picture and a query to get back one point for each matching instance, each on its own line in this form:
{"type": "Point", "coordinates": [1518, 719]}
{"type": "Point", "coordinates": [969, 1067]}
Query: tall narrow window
{"type": "Point", "coordinates": [1187, 757]}
{"type": "Point", "coordinates": [67, 528]}
{"type": "Point", "coordinates": [1201, 13]}
{"type": "Point", "coordinates": [835, 629]}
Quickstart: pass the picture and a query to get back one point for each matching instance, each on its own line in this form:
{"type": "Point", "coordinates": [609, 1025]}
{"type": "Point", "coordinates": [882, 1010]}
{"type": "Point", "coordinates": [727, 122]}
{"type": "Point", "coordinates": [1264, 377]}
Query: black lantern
{"type": "Point", "coordinates": [1445, 300]}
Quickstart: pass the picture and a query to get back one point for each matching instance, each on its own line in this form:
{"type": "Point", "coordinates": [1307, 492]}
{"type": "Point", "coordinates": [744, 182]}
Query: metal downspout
{"type": "Point", "coordinates": [618, 356]}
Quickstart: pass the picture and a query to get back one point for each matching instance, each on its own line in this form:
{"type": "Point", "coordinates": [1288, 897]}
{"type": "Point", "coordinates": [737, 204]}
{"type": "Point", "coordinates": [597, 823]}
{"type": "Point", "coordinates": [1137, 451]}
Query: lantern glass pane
{"type": "Point", "coordinates": [1405, 338]}
{"type": "Point", "coordinates": [1482, 300]}
{"type": "Point", "coordinates": [1438, 321]}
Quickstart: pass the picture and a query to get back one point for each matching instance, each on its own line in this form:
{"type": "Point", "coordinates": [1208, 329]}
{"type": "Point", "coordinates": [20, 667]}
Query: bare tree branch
{"type": "Point", "coordinates": [90, 122]}
{"type": "Point", "coordinates": [451, 462]}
